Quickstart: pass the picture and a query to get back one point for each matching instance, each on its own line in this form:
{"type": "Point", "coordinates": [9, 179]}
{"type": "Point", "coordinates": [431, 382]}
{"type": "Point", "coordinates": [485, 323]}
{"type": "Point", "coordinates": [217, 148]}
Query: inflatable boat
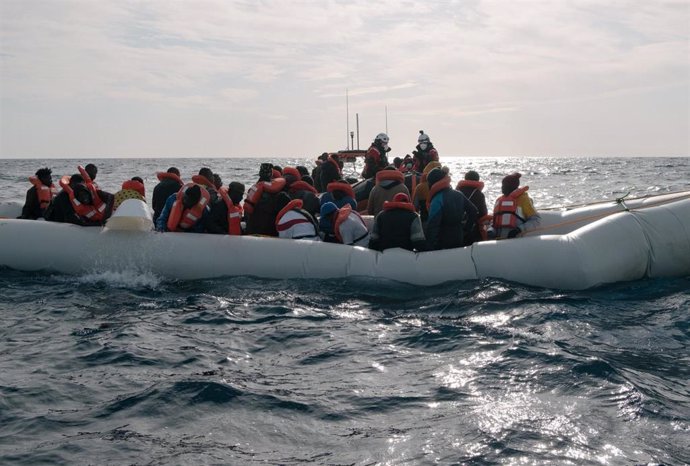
{"type": "Point", "coordinates": [578, 248]}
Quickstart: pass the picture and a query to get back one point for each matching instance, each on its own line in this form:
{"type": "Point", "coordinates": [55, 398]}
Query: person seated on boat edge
{"type": "Point", "coordinates": [514, 212]}
{"type": "Point", "coordinates": [294, 222]}
{"type": "Point", "coordinates": [421, 192]}
{"type": "Point", "coordinates": [225, 217]}
{"type": "Point", "coordinates": [99, 196]}
{"type": "Point", "coordinates": [331, 170]}
{"type": "Point", "coordinates": [424, 152]}
{"type": "Point", "coordinates": [186, 210]}
{"type": "Point", "coordinates": [450, 213]}
{"type": "Point", "coordinates": [316, 172]}
{"type": "Point", "coordinates": [131, 189]}
{"type": "Point", "coordinates": [346, 225]}
{"type": "Point", "coordinates": [398, 226]}
{"type": "Point", "coordinates": [260, 206]}
{"type": "Point", "coordinates": [205, 180]}
{"type": "Point", "coordinates": [376, 159]}
{"type": "Point", "coordinates": [340, 193]}
{"type": "Point", "coordinates": [170, 183]}
{"type": "Point", "coordinates": [75, 204]}
{"type": "Point", "coordinates": [389, 182]}
{"type": "Point", "coordinates": [39, 195]}
{"type": "Point", "coordinates": [296, 188]}
{"type": "Point", "coordinates": [471, 187]}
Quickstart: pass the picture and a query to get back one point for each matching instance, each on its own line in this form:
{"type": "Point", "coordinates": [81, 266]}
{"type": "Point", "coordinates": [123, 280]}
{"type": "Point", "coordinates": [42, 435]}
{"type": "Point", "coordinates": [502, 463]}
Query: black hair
{"type": "Point", "coordinates": [302, 170]}
{"type": "Point", "coordinates": [75, 179]}
{"type": "Point", "coordinates": [43, 172]}
{"type": "Point", "coordinates": [92, 170]}
{"type": "Point", "coordinates": [174, 170]}
{"type": "Point", "coordinates": [206, 173]}
{"type": "Point", "coordinates": [137, 178]}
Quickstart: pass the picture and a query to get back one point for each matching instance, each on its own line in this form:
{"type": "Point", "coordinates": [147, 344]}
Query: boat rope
{"type": "Point", "coordinates": [594, 217]}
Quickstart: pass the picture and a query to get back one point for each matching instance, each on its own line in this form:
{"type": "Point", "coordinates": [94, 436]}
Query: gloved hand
{"type": "Point", "coordinates": [514, 232]}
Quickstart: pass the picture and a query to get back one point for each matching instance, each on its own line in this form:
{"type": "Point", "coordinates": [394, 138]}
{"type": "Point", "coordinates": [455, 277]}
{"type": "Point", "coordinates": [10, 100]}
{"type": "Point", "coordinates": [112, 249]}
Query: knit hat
{"type": "Point", "coordinates": [510, 183]}
{"type": "Point", "coordinates": [236, 187]}
{"type": "Point", "coordinates": [328, 208]}
{"type": "Point", "coordinates": [435, 176]}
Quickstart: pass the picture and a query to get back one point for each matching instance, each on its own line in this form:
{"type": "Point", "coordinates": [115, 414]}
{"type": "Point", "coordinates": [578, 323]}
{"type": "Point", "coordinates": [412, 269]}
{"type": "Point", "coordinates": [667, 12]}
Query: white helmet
{"type": "Point", "coordinates": [423, 137]}
{"type": "Point", "coordinates": [383, 137]}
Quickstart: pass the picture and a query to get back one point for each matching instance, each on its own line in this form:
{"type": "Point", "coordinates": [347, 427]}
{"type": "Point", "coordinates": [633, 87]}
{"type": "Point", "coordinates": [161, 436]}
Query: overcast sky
{"type": "Point", "coordinates": [92, 78]}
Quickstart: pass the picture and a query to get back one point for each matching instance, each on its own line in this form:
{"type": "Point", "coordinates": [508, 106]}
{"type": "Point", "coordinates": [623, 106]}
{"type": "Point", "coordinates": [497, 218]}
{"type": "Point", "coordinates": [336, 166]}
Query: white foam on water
{"type": "Point", "coordinates": [122, 279]}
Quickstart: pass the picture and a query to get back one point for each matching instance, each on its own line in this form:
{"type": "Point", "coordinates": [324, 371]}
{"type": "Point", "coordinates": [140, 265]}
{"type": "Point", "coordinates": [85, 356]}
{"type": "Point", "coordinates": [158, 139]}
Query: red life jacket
{"type": "Point", "coordinates": [44, 193]}
{"type": "Point", "coordinates": [477, 185]}
{"type": "Point", "coordinates": [341, 186]}
{"type": "Point", "coordinates": [343, 214]}
{"type": "Point", "coordinates": [234, 214]}
{"type": "Point", "coordinates": [203, 181]}
{"type": "Point", "coordinates": [505, 209]}
{"type": "Point", "coordinates": [169, 176]}
{"type": "Point", "coordinates": [302, 186]}
{"type": "Point", "coordinates": [255, 192]}
{"type": "Point", "coordinates": [184, 219]}
{"type": "Point", "coordinates": [292, 171]}
{"type": "Point", "coordinates": [96, 199]}
{"type": "Point", "coordinates": [87, 211]}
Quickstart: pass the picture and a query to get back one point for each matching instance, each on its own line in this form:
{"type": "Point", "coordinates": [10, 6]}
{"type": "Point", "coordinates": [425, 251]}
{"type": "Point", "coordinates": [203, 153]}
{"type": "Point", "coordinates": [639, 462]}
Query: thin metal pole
{"type": "Point", "coordinates": [357, 115]}
{"type": "Point", "coordinates": [387, 120]}
{"type": "Point", "coordinates": [347, 118]}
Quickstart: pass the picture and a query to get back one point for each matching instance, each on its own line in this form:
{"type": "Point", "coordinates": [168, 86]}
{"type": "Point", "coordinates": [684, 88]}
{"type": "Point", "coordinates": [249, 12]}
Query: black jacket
{"type": "Point", "coordinates": [161, 193]}
{"type": "Point", "coordinates": [450, 214]}
{"type": "Point", "coordinates": [397, 228]}
{"type": "Point", "coordinates": [32, 208]}
{"type": "Point", "coordinates": [478, 199]}
{"type": "Point", "coordinates": [61, 210]}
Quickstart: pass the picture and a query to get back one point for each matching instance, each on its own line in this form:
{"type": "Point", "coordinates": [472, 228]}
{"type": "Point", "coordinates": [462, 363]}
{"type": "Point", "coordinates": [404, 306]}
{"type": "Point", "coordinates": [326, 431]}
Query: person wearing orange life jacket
{"type": "Point", "coordinates": [348, 226]}
{"type": "Point", "coordinates": [425, 152]}
{"type": "Point", "coordinates": [450, 213]}
{"type": "Point", "coordinates": [74, 204]}
{"type": "Point", "coordinates": [514, 212]}
{"type": "Point", "coordinates": [40, 195]}
{"type": "Point", "coordinates": [206, 180]}
{"type": "Point", "coordinates": [294, 222]}
{"type": "Point", "coordinates": [225, 217]}
{"type": "Point", "coordinates": [331, 170]}
{"type": "Point", "coordinates": [398, 226]}
{"type": "Point", "coordinates": [102, 201]}
{"type": "Point", "coordinates": [170, 183]}
{"type": "Point", "coordinates": [389, 182]}
{"type": "Point", "coordinates": [131, 189]}
{"type": "Point", "coordinates": [376, 159]}
{"type": "Point", "coordinates": [421, 192]}
{"type": "Point", "coordinates": [297, 188]}
{"type": "Point", "coordinates": [186, 210]}
{"type": "Point", "coordinates": [471, 187]}
{"type": "Point", "coordinates": [260, 206]}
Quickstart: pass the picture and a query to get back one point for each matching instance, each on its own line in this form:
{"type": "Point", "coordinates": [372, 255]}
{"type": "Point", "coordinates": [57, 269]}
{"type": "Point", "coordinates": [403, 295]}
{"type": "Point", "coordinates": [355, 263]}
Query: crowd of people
{"type": "Point", "coordinates": [413, 204]}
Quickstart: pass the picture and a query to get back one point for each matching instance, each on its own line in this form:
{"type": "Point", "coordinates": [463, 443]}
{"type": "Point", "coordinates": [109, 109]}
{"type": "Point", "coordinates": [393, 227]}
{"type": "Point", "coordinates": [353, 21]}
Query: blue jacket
{"type": "Point", "coordinates": [450, 213]}
{"type": "Point", "coordinates": [162, 221]}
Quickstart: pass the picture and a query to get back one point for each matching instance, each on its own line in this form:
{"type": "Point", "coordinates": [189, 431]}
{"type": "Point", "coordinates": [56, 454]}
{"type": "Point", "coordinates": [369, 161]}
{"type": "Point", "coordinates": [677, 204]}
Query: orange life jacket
{"type": "Point", "coordinates": [341, 186]}
{"type": "Point", "coordinates": [87, 211]}
{"type": "Point", "coordinates": [255, 192]}
{"type": "Point", "coordinates": [93, 190]}
{"type": "Point", "coordinates": [477, 185]}
{"type": "Point", "coordinates": [302, 186]}
{"type": "Point", "coordinates": [44, 193]}
{"type": "Point", "coordinates": [234, 214]}
{"type": "Point", "coordinates": [169, 176]}
{"type": "Point", "coordinates": [388, 205]}
{"type": "Point", "coordinates": [293, 172]}
{"type": "Point", "coordinates": [440, 185]}
{"type": "Point", "coordinates": [295, 204]}
{"type": "Point", "coordinates": [394, 175]}
{"type": "Point", "coordinates": [343, 214]}
{"type": "Point", "coordinates": [203, 181]}
{"type": "Point", "coordinates": [134, 185]}
{"type": "Point", "coordinates": [184, 219]}
{"type": "Point", "coordinates": [505, 209]}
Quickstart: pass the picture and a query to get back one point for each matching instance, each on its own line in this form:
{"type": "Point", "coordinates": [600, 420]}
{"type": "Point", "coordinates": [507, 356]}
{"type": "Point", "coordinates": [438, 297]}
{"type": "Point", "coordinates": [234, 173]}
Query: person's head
{"type": "Point", "coordinates": [302, 170]}
{"type": "Point", "coordinates": [397, 162]}
{"type": "Point", "coordinates": [82, 194]}
{"type": "Point", "coordinates": [279, 169]}
{"type": "Point", "coordinates": [217, 181]}
{"type": "Point", "coordinates": [266, 172]}
{"type": "Point", "coordinates": [291, 175]}
{"type": "Point", "coordinates": [138, 178]}
{"type": "Point", "coordinates": [174, 171]}
{"type": "Point", "coordinates": [236, 191]}
{"type": "Point", "coordinates": [45, 176]}
{"type": "Point", "coordinates": [435, 175]}
{"type": "Point", "coordinates": [510, 183]}
{"type": "Point", "coordinates": [76, 180]}
{"type": "Point", "coordinates": [323, 157]}
{"type": "Point", "coordinates": [308, 179]}
{"type": "Point", "coordinates": [328, 209]}
{"type": "Point", "coordinates": [191, 196]}
{"type": "Point", "coordinates": [423, 140]}
{"type": "Point", "coordinates": [206, 173]}
{"type": "Point", "coordinates": [381, 140]}
{"type": "Point", "coordinates": [472, 176]}
{"type": "Point", "coordinates": [92, 170]}
{"type": "Point", "coordinates": [401, 197]}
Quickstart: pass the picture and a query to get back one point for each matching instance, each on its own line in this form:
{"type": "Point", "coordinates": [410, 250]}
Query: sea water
{"type": "Point", "coordinates": [121, 368]}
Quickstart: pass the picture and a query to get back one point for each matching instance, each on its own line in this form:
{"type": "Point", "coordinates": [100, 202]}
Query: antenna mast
{"type": "Point", "coordinates": [387, 120]}
{"type": "Point", "coordinates": [347, 119]}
